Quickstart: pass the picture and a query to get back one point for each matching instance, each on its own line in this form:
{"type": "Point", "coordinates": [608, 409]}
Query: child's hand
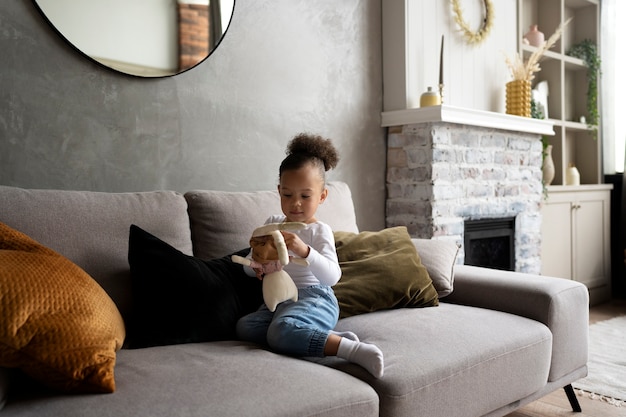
{"type": "Point", "coordinates": [259, 273]}
{"type": "Point", "coordinates": [295, 244]}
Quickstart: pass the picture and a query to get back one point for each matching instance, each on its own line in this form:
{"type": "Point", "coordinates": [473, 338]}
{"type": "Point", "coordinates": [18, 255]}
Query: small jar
{"type": "Point", "coordinates": [572, 176]}
{"type": "Point", "coordinates": [430, 98]}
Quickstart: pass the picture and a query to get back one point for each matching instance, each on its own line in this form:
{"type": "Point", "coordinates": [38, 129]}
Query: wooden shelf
{"type": "Point", "coordinates": [575, 64]}
{"type": "Point", "coordinates": [571, 63]}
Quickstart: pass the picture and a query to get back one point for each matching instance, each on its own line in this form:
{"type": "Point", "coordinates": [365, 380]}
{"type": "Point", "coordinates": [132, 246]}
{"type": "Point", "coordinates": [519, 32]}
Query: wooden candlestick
{"type": "Point", "coordinates": [441, 71]}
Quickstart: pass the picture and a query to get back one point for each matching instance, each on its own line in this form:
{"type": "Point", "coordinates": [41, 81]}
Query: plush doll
{"type": "Point", "coordinates": [269, 254]}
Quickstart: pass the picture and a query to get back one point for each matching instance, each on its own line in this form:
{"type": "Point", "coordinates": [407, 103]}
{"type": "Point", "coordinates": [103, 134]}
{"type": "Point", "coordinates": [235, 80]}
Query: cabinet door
{"type": "Point", "coordinates": [590, 240]}
{"type": "Point", "coordinates": [556, 237]}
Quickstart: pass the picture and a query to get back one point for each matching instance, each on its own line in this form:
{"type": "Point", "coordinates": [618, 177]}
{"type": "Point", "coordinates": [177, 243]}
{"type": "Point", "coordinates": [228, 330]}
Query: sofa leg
{"type": "Point", "coordinates": [571, 396]}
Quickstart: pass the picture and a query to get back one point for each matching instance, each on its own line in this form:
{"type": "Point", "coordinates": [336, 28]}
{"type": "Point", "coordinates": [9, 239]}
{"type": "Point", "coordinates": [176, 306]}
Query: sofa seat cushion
{"type": "Point", "coordinates": [223, 221]}
{"type": "Point", "coordinates": [213, 379]}
{"type": "Point", "coordinates": [451, 360]}
{"type": "Point", "coordinates": [91, 228]}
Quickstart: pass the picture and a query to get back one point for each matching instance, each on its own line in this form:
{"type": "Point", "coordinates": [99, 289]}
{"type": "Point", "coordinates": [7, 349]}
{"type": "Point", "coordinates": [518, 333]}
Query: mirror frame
{"type": "Point", "coordinates": [134, 74]}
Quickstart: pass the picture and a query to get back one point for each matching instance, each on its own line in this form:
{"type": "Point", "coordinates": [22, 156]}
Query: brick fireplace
{"type": "Point", "coordinates": [447, 166]}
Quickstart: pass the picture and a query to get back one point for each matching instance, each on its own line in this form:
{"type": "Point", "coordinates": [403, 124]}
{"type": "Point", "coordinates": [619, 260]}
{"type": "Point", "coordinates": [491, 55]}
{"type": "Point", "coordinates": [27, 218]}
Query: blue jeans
{"type": "Point", "coordinates": [296, 328]}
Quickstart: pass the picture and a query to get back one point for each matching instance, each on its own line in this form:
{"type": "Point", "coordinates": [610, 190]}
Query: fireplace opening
{"type": "Point", "coordinates": [490, 243]}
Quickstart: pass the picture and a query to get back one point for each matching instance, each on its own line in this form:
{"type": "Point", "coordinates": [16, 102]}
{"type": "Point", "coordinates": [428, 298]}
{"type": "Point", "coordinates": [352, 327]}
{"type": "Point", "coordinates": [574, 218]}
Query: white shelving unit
{"type": "Point", "coordinates": [576, 219]}
{"type": "Point", "coordinates": [573, 142]}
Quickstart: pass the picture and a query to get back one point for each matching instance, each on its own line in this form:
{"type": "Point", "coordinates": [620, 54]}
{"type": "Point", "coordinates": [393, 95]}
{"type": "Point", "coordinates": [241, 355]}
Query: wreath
{"type": "Point", "coordinates": [474, 37]}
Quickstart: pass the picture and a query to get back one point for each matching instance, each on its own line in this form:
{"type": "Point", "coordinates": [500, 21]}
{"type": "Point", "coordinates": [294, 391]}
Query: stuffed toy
{"type": "Point", "coordinates": [269, 254]}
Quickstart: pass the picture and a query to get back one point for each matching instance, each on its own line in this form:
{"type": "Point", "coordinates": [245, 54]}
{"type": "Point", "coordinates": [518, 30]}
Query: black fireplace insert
{"type": "Point", "coordinates": [490, 243]}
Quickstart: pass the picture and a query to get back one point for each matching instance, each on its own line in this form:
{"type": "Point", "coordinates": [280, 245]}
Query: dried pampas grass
{"type": "Point", "coordinates": [521, 70]}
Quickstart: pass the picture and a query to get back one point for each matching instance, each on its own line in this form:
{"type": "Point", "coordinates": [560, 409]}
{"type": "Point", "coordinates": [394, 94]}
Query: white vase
{"type": "Point", "coordinates": [572, 176]}
{"type": "Point", "coordinates": [548, 166]}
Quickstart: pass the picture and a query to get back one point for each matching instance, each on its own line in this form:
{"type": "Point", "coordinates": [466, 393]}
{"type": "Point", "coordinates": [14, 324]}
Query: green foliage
{"type": "Point", "coordinates": [544, 143]}
{"type": "Point", "coordinates": [535, 110]}
{"type": "Point", "coordinates": [588, 52]}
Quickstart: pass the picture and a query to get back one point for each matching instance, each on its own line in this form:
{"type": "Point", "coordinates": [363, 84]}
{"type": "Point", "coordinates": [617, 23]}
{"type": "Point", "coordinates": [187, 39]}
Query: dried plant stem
{"type": "Point", "coordinates": [521, 70]}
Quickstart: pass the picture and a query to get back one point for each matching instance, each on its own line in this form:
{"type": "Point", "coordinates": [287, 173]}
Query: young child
{"type": "Point", "coordinates": [305, 327]}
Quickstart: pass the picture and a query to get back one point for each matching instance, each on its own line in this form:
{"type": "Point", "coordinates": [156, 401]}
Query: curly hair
{"type": "Point", "coordinates": [306, 148]}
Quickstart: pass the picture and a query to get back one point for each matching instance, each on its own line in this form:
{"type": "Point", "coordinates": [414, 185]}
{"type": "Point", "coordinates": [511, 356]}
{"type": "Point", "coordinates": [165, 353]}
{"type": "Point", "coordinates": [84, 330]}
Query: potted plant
{"type": "Point", "coordinates": [588, 52]}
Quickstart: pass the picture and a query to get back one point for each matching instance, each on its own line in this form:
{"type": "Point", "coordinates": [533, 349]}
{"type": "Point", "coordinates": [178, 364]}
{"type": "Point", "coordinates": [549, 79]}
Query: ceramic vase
{"type": "Point", "coordinates": [518, 96]}
{"type": "Point", "coordinates": [572, 176]}
{"type": "Point", "coordinates": [430, 98]}
{"type": "Point", "coordinates": [548, 166]}
{"type": "Point", "coordinates": [534, 36]}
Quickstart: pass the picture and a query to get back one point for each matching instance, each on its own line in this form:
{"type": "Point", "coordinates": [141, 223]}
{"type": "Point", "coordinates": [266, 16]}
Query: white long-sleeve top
{"type": "Point", "coordinates": [323, 263]}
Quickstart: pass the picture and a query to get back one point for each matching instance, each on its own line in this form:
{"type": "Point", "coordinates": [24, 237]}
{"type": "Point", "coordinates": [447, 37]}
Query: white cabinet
{"type": "Point", "coordinates": [576, 237]}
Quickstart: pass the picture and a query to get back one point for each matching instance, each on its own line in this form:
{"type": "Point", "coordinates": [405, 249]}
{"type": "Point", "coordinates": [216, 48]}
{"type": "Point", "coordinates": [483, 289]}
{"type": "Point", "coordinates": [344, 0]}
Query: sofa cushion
{"type": "Point", "coordinates": [226, 378]}
{"type": "Point", "coordinates": [58, 325]}
{"type": "Point", "coordinates": [222, 221]}
{"type": "Point", "coordinates": [91, 228]}
{"type": "Point", "coordinates": [381, 270]}
{"type": "Point", "coordinates": [439, 258]}
{"type": "Point", "coordinates": [178, 298]}
{"type": "Point", "coordinates": [561, 304]}
{"type": "Point", "coordinates": [452, 360]}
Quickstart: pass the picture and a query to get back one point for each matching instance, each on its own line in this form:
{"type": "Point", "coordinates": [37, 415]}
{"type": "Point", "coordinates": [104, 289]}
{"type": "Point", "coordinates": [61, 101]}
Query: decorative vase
{"type": "Point", "coordinates": [534, 36]}
{"type": "Point", "coordinates": [548, 166]}
{"type": "Point", "coordinates": [430, 98]}
{"type": "Point", "coordinates": [518, 96]}
{"type": "Point", "coordinates": [572, 176]}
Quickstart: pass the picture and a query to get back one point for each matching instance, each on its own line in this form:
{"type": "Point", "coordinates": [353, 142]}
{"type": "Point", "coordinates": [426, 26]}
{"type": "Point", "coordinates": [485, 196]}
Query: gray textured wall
{"type": "Point", "coordinates": [285, 66]}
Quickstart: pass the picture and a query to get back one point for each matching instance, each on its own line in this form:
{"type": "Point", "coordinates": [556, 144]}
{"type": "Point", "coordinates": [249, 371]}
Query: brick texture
{"type": "Point", "coordinates": [194, 38]}
{"type": "Point", "coordinates": [441, 174]}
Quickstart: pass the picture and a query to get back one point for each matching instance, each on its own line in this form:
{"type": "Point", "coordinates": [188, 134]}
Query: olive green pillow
{"type": "Point", "coordinates": [381, 270]}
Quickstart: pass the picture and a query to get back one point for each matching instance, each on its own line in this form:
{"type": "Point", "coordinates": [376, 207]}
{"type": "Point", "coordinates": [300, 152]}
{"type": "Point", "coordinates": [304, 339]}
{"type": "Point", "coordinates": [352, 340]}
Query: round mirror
{"type": "Point", "coordinates": [146, 38]}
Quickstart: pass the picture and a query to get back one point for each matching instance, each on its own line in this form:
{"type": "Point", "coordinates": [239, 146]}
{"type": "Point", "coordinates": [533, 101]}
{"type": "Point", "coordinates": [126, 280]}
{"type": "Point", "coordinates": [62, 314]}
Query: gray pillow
{"type": "Point", "coordinates": [439, 258]}
{"type": "Point", "coordinates": [222, 221]}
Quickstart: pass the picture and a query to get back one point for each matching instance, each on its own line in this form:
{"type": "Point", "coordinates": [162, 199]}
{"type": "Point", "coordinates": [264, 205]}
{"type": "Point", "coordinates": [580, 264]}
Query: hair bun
{"type": "Point", "coordinates": [316, 146]}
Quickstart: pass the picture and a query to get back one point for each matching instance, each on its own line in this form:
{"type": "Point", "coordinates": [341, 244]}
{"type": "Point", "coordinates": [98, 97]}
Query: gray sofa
{"type": "Point", "coordinates": [498, 341]}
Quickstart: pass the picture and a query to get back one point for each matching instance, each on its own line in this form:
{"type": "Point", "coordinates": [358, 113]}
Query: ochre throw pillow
{"type": "Point", "coordinates": [381, 270]}
{"type": "Point", "coordinates": [179, 298]}
{"type": "Point", "coordinates": [57, 324]}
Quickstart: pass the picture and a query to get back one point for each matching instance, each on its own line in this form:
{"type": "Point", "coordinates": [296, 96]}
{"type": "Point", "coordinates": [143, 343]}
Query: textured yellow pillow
{"type": "Point", "coordinates": [57, 324]}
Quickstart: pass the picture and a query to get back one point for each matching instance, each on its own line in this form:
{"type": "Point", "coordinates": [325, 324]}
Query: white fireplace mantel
{"type": "Point", "coordinates": [464, 116]}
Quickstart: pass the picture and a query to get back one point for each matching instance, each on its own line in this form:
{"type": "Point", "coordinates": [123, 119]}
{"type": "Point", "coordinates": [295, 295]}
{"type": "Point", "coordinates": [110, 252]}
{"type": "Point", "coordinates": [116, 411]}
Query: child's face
{"type": "Point", "coordinates": [301, 192]}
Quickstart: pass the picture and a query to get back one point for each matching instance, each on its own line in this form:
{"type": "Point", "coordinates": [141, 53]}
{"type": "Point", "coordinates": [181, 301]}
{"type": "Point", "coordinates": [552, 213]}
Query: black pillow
{"type": "Point", "coordinates": [179, 298]}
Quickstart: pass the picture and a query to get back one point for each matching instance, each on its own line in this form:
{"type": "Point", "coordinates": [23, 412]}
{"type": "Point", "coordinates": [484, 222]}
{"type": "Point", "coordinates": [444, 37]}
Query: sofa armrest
{"type": "Point", "coordinates": [560, 304]}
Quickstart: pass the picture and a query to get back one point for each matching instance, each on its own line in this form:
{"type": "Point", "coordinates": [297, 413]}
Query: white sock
{"type": "Point", "coordinates": [347, 335]}
{"type": "Point", "coordinates": [364, 354]}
